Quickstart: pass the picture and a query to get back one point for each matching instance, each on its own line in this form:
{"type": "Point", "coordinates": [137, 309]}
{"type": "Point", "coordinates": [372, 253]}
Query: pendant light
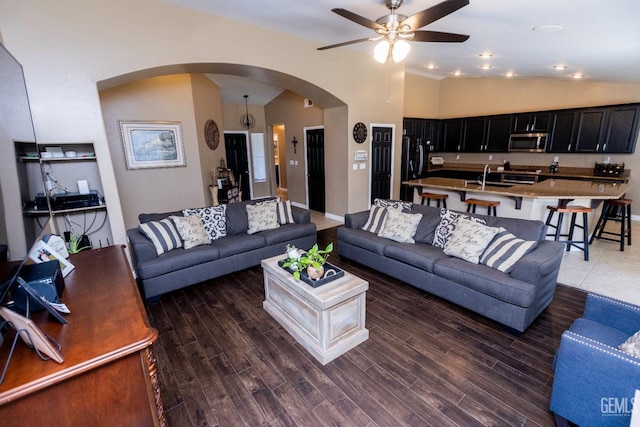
{"type": "Point", "coordinates": [247, 120]}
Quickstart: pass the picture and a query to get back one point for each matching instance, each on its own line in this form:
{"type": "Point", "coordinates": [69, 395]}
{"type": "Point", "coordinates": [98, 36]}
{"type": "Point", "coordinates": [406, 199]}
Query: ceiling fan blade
{"type": "Point", "coordinates": [437, 36]}
{"type": "Point", "coordinates": [347, 43]}
{"type": "Point", "coordinates": [434, 13]}
{"type": "Point", "coordinates": [365, 22]}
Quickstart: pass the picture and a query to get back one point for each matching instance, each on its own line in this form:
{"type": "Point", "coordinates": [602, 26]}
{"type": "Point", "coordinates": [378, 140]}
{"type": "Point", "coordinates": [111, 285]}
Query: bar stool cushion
{"type": "Point", "coordinates": [505, 250]}
{"type": "Point", "coordinates": [469, 240]}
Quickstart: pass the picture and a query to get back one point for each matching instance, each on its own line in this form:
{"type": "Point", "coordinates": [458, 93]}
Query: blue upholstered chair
{"type": "Point", "coordinates": [595, 382]}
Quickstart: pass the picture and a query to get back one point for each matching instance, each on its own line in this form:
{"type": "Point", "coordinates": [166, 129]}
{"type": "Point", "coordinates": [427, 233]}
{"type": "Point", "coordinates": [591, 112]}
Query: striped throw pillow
{"type": "Point", "coordinates": [376, 219]}
{"type": "Point", "coordinates": [163, 234]}
{"type": "Point", "coordinates": [283, 211]}
{"type": "Point", "coordinates": [505, 250]}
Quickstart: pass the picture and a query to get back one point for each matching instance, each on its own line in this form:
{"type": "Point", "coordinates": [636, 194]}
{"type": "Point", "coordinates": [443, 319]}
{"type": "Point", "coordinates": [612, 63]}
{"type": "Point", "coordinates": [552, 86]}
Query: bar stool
{"type": "Point", "coordinates": [490, 204]}
{"type": "Point", "coordinates": [436, 197]}
{"type": "Point", "coordinates": [618, 210]}
{"type": "Point", "coordinates": [574, 211]}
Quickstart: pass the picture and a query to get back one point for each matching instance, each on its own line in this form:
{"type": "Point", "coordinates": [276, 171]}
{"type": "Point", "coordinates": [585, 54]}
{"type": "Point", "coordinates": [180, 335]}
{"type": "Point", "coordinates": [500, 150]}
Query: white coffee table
{"type": "Point", "coordinates": [328, 320]}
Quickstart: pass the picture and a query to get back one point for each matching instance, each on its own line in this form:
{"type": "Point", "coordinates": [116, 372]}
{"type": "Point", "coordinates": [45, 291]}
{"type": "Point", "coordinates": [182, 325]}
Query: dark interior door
{"type": "Point", "coordinates": [315, 169]}
{"type": "Point", "coordinates": [235, 145]}
{"type": "Point", "coordinates": [381, 148]}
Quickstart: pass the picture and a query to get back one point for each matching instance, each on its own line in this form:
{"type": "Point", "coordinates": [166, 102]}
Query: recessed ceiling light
{"type": "Point", "coordinates": [577, 76]}
{"type": "Point", "coordinates": [509, 74]}
{"type": "Point", "coordinates": [559, 67]}
{"type": "Point", "coordinates": [486, 55]}
{"type": "Point", "coordinates": [548, 28]}
{"type": "Point", "coordinates": [431, 66]}
{"type": "Point", "coordinates": [485, 66]}
{"type": "Point", "coordinates": [457, 73]}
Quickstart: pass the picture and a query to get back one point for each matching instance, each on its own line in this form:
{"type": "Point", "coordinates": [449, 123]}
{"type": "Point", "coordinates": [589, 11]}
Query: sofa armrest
{"type": "Point", "coordinates": [300, 215]}
{"type": "Point", "coordinates": [543, 261]}
{"type": "Point", "coordinates": [592, 380]}
{"type": "Point", "coordinates": [612, 312]}
{"type": "Point", "coordinates": [142, 248]}
{"type": "Point", "coordinates": [356, 220]}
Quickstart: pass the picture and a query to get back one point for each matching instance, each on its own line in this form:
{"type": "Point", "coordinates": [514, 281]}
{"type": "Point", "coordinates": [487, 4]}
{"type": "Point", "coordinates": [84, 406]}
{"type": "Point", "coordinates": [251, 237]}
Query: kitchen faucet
{"type": "Point", "coordinates": [487, 170]}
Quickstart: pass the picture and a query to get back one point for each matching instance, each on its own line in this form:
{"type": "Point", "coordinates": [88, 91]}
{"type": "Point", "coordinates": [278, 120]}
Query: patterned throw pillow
{"type": "Point", "coordinates": [283, 211]}
{"type": "Point", "coordinates": [469, 240]}
{"type": "Point", "coordinates": [376, 219]}
{"type": "Point", "coordinates": [632, 345]}
{"type": "Point", "coordinates": [163, 234]}
{"type": "Point", "coordinates": [214, 220]}
{"type": "Point", "coordinates": [400, 227]}
{"type": "Point", "coordinates": [393, 204]}
{"type": "Point", "coordinates": [191, 230]}
{"type": "Point", "coordinates": [262, 216]}
{"type": "Point", "coordinates": [447, 224]}
{"type": "Point", "coordinates": [505, 250]}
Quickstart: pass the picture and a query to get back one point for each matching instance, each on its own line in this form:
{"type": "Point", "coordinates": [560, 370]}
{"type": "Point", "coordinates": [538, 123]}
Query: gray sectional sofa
{"type": "Point", "coordinates": [514, 298]}
{"type": "Point", "coordinates": [178, 268]}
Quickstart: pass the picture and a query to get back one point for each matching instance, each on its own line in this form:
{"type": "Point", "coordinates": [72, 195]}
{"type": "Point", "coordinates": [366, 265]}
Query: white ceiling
{"type": "Point", "coordinates": [600, 39]}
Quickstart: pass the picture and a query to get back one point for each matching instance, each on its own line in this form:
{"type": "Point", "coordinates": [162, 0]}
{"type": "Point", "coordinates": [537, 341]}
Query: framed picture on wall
{"type": "Point", "coordinates": [152, 144]}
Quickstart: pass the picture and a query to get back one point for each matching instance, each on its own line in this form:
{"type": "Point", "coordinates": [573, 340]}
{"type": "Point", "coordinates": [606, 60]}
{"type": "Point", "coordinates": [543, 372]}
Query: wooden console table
{"type": "Point", "coordinates": [108, 376]}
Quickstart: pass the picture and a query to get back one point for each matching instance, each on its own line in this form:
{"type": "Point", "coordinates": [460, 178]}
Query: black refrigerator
{"type": "Point", "coordinates": [415, 161]}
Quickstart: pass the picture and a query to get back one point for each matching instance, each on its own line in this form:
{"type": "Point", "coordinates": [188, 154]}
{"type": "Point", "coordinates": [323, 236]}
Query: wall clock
{"type": "Point", "coordinates": [359, 132]}
{"type": "Point", "coordinates": [211, 134]}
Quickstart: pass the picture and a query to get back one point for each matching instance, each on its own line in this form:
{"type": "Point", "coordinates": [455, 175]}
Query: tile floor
{"type": "Point", "coordinates": [608, 271]}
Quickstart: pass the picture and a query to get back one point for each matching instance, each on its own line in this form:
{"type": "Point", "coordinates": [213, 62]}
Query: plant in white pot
{"type": "Point", "coordinates": [312, 261]}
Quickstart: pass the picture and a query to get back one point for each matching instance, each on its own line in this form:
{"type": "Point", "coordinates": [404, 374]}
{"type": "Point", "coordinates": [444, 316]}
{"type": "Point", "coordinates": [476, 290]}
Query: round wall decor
{"type": "Point", "coordinates": [211, 134]}
{"type": "Point", "coordinates": [360, 132]}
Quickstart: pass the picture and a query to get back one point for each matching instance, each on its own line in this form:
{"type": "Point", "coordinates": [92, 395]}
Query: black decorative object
{"type": "Point", "coordinates": [360, 132]}
{"type": "Point", "coordinates": [247, 120]}
{"type": "Point", "coordinates": [294, 142]}
{"type": "Point", "coordinates": [328, 277]}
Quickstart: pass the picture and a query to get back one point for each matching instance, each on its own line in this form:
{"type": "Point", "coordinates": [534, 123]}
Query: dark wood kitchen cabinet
{"type": "Point", "coordinates": [590, 130]}
{"type": "Point", "coordinates": [622, 129]}
{"type": "Point", "coordinates": [474, 133]}
{"type": "Point", "coordinates": [530, 122]}
{"type": "Point", "coordinates": [451, 135]}
{"type": "Point", "coordinates": [562, 131]}
{"type": "Point", "coordinates": [498, 132]}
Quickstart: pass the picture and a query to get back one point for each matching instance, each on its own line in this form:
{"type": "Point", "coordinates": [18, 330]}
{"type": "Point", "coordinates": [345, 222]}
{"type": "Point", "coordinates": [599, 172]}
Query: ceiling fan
{"type": "Point", "coordinates": [394, 29]}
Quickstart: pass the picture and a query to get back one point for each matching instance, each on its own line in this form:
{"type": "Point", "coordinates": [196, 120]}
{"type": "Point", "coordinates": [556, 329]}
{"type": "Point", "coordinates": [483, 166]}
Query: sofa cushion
{"type": "Point", "coordinates": [428, 224]}
{"type": "Point", "coordinates": [175, 260]}
{"type": "Point", "coordinates": [283, 212]}
{"type": "Point", "coordinates": [163, 234]}
{"type": "Point", "coordinates": [191, 230]}
{"type": "Point", "coordinates": [262, 216]}
{"type": "Point", "coordinates": [631, 345]}
{"type": "Point", "coordinates": [400, 227]}
{"type": "Point", "coordinates": [469, 240]}
{"type": "Point", "coordinates": [522, 228]}
{"type": "Point", "coordinates": [213, 218]}
{"type": "Point", "coordinates": [486, 280]}
{"type": "Point", "coordinates": [363, 239]}
{"type": "Point", "coordinates": [237, 221]}
{"type": "Point", "coordinates": [599, 332]}
{"type": "Point", "coordinates": [287, 233]}
{"type": "Point", "coordinates": [238, 243]}
{"type": "Point", "coordinates": [505, 250]}
{"type": "Point", "coordinates": [375, 220]}
{"type": "Point", "coordinates": [446, 225]}
{"type": "Point", "coordinates": [420, 256]}
{"type": "Point", "coordinates": [146, 217]}
{"type": "Point", "coordinates": [393, 204]}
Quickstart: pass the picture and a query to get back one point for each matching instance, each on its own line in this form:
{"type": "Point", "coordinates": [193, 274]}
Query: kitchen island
{"type": "Point", "coordinates": [524, 200]}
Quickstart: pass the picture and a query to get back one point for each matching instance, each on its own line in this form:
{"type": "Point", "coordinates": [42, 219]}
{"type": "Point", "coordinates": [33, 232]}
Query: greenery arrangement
{"type": "Point", "coordinates": [76, 242]}
{"type": "Point", "coordinates": [312, 261]}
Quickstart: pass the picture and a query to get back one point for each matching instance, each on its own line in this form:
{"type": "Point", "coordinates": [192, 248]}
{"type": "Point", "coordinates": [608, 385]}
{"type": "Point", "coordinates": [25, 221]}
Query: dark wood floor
{"type": "Point", "coordinates": [223, 361]}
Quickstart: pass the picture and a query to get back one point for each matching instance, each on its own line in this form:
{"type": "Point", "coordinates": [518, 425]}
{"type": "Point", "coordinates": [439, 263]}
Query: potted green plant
{"type": "Point", "coordinates": [312, 261]}
{"type": "Point", "coordinates": [77, 243]}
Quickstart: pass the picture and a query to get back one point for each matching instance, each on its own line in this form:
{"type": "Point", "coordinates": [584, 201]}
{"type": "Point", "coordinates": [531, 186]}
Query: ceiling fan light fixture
{"type": "Point", "coordinates": [559, 67]}
{"type": "Point", "coordinates": [485, 66]}
{"type": "Point", "coordinates": [509, 74]}
{"type": "Point", "coordinates": [381, 51]}
{"type": "Point", "coordinates": [486, 55]}
{"type": "Point", "coordinates": [399, 50]}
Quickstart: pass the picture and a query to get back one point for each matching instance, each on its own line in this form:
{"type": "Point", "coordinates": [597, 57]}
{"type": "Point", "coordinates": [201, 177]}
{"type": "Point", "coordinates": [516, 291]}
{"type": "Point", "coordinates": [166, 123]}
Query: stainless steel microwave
{"type": "Point", "coordinates": [531, 142]}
